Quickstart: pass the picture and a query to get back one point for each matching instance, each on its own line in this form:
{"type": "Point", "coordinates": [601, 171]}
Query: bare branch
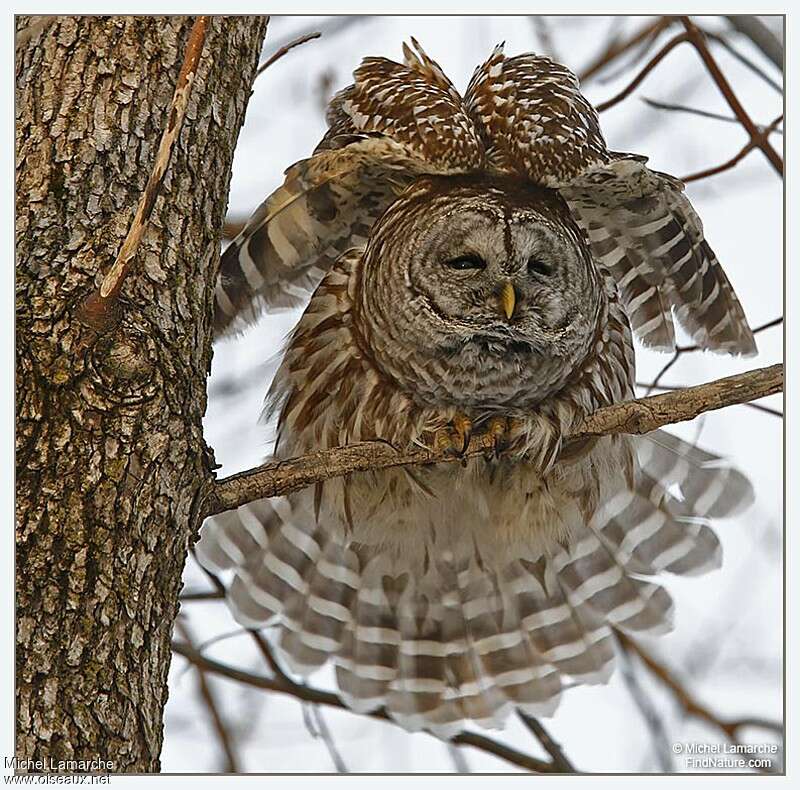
{"type": "Point", "coordinates": [541, 28]}
{"type": "Point", "coordinates": [743, 59]}
{"type": "Point", "coordinates": [205, 595]}
{"type": "Point", "coordinates": [651, 716]}
{"type": "Point", "coordinates": [279, 53]}
{"type": "Point", "coordinates": [644, 71]}
{"type": "Point", "coordinates": [324, 732]}
{"type": "Point", "coordinates": [231, 761]}
{"type": "Point", "coordinates": [97, 309]}
{"type": "Point", "coordinates": [758, 138]}
{"type": "Point", "coordinates": [617, 47]}
{"type": "Point", "coordinates": [752, 27]}
{"type": "Point", "coordinates": [731, 163]}
{"type": "Point", "coordinates": [636, 416]}
{"type": "Point", "coordinates": [552, 747]}
{"type": "Point", "coordinates": [691, 706]}
{"type": "Point", "coordinates": [319, 697]}
{"type": "Point", "coordinates": [670, 107]}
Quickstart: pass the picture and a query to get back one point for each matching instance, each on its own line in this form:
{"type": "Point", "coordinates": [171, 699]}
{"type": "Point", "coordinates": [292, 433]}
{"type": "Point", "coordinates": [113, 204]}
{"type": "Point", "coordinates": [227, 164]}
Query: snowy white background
{"type": "Point", "coordinates": [728, 641]}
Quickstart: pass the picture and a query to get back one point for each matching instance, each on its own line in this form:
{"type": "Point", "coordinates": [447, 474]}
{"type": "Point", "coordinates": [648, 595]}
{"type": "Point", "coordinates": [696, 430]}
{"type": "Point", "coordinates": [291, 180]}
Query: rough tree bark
{"type": "Point", "coordinates": [110, 453]}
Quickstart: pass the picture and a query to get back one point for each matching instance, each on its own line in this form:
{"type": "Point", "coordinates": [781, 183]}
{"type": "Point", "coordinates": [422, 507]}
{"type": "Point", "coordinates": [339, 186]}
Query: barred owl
{"type": "Point", "coordinates": [522, 116]}
{"type": "Point", "coordinates": [449, 593]}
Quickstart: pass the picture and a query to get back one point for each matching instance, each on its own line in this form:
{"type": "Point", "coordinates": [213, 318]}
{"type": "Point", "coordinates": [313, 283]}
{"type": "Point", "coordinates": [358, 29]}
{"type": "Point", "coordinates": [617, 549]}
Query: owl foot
{"type": "Point", "coordinates": [504, 432]}
{"type": "Point", "coordinates": [454, 439]}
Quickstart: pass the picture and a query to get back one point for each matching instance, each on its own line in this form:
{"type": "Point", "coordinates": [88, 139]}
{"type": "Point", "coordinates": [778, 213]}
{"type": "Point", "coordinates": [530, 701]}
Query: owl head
{"type": "Point", "coordinates": [488, 280]}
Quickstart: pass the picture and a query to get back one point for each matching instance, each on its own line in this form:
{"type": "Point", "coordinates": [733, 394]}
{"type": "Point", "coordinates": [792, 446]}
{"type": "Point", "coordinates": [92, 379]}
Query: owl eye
{"type": "Point", "coordinates": [536, 266]}
{"type": "Point", "coordinates": [464, 262]}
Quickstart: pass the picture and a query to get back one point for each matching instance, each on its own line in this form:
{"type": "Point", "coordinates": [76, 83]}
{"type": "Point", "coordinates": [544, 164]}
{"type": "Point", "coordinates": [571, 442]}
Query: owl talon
{"type": "Point", "coordinates": [503, 431]}
{"type": "Point", "coordinates": [455, 438]}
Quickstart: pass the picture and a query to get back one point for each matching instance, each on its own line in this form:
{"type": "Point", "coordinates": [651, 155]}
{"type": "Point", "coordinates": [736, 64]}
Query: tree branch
{"type": "Point", "coordinates": [616, 47]}
{"type": "Point", "coordinates": [279, 53]}
{"type": "Point", "coordinates": [319, 697]}
{"type": "Point", "coordinates": [688, 703]}
{"type": "Point", "coordinates": [550, 745]}
{"type": "Point", "coordinates": [635, 416]}
{"type": "Point", "coordinates": [752, 27]}
{"type": "Point", "coordinates": [220, 728]}
{"type": "Point", "coordinates": [756, 135]}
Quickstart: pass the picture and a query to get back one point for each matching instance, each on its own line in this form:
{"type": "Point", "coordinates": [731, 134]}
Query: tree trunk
{"type": "Point", "coordinates": [110, 452]}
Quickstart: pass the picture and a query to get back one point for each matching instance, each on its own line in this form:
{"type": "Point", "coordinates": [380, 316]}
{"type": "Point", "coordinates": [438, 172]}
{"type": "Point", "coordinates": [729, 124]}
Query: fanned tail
{"type": "Point", "coordinates": [460, 638]}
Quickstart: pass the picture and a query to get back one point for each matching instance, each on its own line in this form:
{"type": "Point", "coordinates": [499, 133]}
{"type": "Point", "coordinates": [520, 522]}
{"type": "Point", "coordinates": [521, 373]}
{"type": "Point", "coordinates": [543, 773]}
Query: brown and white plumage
{"type": "Point", "coordinates": [522, 116]}
{"type": "Point", "coordinates": [446, 594]}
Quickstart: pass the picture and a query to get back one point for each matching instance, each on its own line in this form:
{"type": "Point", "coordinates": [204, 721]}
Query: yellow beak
{"type": "Point", "coordinates": [508, 297]}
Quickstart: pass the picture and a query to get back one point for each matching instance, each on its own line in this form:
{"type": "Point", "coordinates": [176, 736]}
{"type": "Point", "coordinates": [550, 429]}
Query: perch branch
{"type": "Point", "coordinates": [96, 310]}
{"type": "Point", "coordinates": [635, 416]}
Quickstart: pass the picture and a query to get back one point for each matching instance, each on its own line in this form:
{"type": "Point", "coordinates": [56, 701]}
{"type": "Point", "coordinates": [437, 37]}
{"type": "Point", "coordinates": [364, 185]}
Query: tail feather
{"type": "Point", "coordinates": [420, 683]}
{"type": "Point", "coordinates": [368, 661]}
{"type": "Point", "coordinates": [576, 647]}
{"type": "Point", "coordinates": [315, 629]}
{"type": "Point", "coordinates": [594, 576]}
{"type": "Point", "coordinates": [481, 608]}
{"type": "Point", "coordinates": [661, 540]}
{"type": "Point", "coordinates": [708, 485]}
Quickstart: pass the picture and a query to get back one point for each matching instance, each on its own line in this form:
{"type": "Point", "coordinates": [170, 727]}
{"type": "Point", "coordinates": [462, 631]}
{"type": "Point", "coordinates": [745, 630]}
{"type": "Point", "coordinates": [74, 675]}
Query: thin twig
{"type": "Point", "coordinates": [752, 27]}
{"type": "Point", "coordinates": [542, 30]}
{"type": "Point", "coordinates": [636, 416]}
{"type": "Point", "coordinates": [324, 732]}
{"type": "Point", "coordinates": [551, 746]}
{"type": "Point", "coordinates": [731, 163]}
{"type": "Point", "coordinates": [652, 717]}
{"type": "Point", "coordinates": [617, 47]}
{"type": "Point", "coordinates": [637, 57]}
{"type": "Point", "coordinates": [329, 29]}
{"type": "Point", "coordinates": [675, 357]}
{"type": "Point", "coordinates": [231, 761]}
{"type": "Point", "coordinates": [202, 595]}
{"type": "Point", "coordinates": [644, 71]}
{"type": "Point", "coordinates": [744, 60]}
{"type": "Point", "coordinates": [689, 704]}
{"type": "Point", "coordinates": [96, 310]}
{"type": "Point", "coordinates": [758, 138]}
{"type": "Point", "coordinates": [662, 105]}
{"type": "Point", "coordinates": [320, 697]}
{"type": "Point", "coordinates": [279, 53]}
{"type": "Point", "coordinates": [459, 760]}
{"type": "Point", "coordinates": [756, 135]}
